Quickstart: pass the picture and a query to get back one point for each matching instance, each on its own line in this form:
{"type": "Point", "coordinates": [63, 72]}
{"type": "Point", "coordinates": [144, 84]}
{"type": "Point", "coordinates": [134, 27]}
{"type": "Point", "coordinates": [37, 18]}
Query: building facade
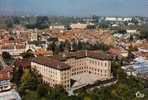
{"type": "Point", "coordinates": [78, 26]}
{"type": "Point", "coordinates": [5, 80]}
{"type": "Point", "coordinates": [34, 36]}
{"type": "Point", "coordinates": [53, 72]}
{"type": "Point", "coordinates": [73, 65]}
{"type": "Point", "coordinates": [90, 62]}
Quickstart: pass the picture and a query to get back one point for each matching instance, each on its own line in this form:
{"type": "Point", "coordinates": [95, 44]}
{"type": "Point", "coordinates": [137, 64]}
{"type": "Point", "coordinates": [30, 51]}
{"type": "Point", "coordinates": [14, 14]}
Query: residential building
{"type": "Point", "coordinates": [34, 36]}
{"type": "Point", "coordinates": [15, 49]}
{"type": "Point", "coordinates": [5, 75]}
{"type": "Point", "coordinates": [43, 52]}
{"type": "Point", "coordinates": [78, 26]}
{"type": "Point", "coordinates": [138, 67]}
{"type": "Point", "coordinates": [60, 27]}
{"type": "Point", "coordinates": [33, 45]}
{"type": "Point", "coordinates": [118, 52]}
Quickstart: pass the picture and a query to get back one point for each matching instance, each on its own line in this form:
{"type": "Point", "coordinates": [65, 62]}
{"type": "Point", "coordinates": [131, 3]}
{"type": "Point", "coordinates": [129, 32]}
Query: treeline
{"type": "Point", "coordinates": [39, 22]}
{"type": "Point", "coordinates": [75, 45]}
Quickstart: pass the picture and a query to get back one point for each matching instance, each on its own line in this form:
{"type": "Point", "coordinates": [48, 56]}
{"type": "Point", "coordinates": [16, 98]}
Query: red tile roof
{"type": "Point", "coordinates": [5, 73]}
{"type": "Point", "coordinates": [20, 46]}
{"type": "Point", "coordinates": [53, 63]}
{"type": "Point", "coordinates": [115, 51]}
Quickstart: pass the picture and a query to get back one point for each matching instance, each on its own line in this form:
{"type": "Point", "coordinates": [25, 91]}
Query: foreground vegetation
{"type": "Point", "coordinates": [30, 87]}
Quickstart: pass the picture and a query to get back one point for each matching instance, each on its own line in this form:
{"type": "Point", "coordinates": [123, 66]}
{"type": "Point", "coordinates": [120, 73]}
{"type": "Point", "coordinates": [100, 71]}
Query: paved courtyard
{"type": "Point", "coordinates": [84, 79]}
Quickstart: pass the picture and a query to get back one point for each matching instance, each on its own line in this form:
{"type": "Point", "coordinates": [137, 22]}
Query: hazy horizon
{"type": "Point", "coordinates": [74, 7]}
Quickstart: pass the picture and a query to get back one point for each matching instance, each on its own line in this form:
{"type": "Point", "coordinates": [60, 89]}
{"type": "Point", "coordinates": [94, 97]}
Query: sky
{"type": "Point", "coordinates": [74, 7]}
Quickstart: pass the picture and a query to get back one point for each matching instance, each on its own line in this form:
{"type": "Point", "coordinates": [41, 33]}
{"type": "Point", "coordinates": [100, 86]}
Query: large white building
{"type": "Point", "coordinates": [92, 62]}
{"type": "Point", "coordinates": [53, 71]}
{"type": "Point", "coordinates": [15, 49]}
{"type": "Point", "coordinates": [77, 66]}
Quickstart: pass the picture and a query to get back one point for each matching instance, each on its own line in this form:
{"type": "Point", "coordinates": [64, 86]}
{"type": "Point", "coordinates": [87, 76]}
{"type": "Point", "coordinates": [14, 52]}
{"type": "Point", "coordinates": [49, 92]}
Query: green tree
{"type": "Point", "coordinates": [42, 90]}
{"type": "Point", "coordinates": [28, 54]}
{"type": "Point", "coordinates": [6, 55]}
{"type": "Point", "coordinates": [29, 81]}
{"type": "Point", "coordinates": [144, 35]}
{"type": "Point", "coordinates": [31, 95]}
{"type": "Point", "coordinates": [17, 74]}
{"type": "Point", "coordinates": [9, 23]}
{"type": "Point", "coordinates": [42, 22]}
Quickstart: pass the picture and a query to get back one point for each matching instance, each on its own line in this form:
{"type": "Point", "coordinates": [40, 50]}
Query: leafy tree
{"type": "Point", "coordinates": [104, 25]}
{"type": "Point", "coordinates": [144, 35]}
{"type": "Point", "coordinates": [42, 90]}
{"type": "Point", "coordinates": [31, 95]}
{"type": "Point", "coordinates": [87, 98]}
{"type": "Point", "coordinates": [91, 27]}
{"type": "Point", "coordinates": [121, 31]}
{"type": "Point", "coordinates": [29, 81]}
{"type": "Point", "coordinates": [17, 74]}
{"type": "Point", "coordinates": [115, 67]}
{"type": "Point", "coordinates": [26, 77]}
{"type": "Point", "coordinates": [6, 55]}
{"type": "Point", "coordinates": [8, 59]}
{"type": "Point", "coordinates": [9, 23]}
{"type": "Point", "coordinates": [42, 22]}
{"type": "Point", "coordinates": [16, 20]}
{"type": "Point", "coordinates": [30, 26]}
{"type": "Point", "coordinates": [28, 54]}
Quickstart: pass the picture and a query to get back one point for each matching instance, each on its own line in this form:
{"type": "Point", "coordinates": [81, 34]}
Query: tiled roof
{"type": "Point", "coordinates": [91, 54]}
{"type": "Point", "coordinates": [5, 73]}
{"type": "Point", "coordinates": [116, 51]}
{"type": "Point", "coordinates": [7, 46]}
{"type": "Point", "coordinates": [53, 63]}
{"type": "Point", "coordinates": [24, 63]}
{"type": "Point", "coordinates": [20, 46]}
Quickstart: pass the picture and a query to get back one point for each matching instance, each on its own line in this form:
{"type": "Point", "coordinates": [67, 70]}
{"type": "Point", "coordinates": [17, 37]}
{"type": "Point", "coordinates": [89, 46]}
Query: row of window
{"type": "Point", "coordinates": [91, 62]}
{"type": "Point", "coordinates": [96, 73]}
{"type": "Point", "coordinates": [46, 70]}
{"type": "Point", "coordinates": [52, 83]}
{"type": "Point", "coordinates": [88, 69]}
